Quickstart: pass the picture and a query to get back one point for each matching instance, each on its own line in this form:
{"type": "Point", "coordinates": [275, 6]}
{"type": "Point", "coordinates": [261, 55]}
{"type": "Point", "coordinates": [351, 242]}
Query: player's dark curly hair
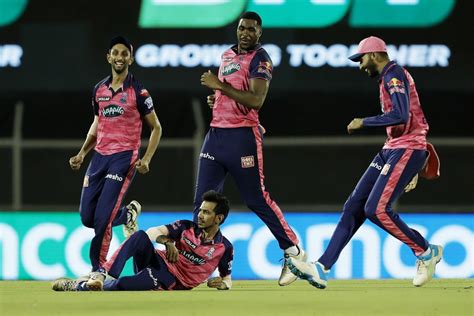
{"type": "Point", "coordinates": [222, 203]}
{"type": "Point", "coordinates": [252, 16]}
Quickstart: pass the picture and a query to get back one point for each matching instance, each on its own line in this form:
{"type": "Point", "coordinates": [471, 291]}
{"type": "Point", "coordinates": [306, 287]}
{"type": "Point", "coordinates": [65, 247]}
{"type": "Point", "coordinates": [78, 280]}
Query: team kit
{"type": "Point", "coordinates": [193, 250]}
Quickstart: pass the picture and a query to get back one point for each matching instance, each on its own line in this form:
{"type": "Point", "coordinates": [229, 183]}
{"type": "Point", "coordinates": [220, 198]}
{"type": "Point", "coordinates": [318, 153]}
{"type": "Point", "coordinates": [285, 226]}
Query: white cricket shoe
{"type": "Point", "coordinates": [313, 272]}
{"type": "Point", "coordinates": [96, 281]}
{"type": "Point", "coordinates": [133, 211]}
{"type": "Point", "coordinates": [286, 277]}
{"type": "Point", "coordinates": [426, 266]}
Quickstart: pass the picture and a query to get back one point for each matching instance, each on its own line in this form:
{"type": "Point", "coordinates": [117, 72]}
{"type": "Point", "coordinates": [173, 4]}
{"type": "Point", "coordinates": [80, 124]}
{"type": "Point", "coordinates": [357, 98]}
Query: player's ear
{"type": "Point", "coordinates": [130, 62]}
{"type": "Point", "coordinates": [109, 57]}
{"type": "Point", "coordinates": [219, 218]}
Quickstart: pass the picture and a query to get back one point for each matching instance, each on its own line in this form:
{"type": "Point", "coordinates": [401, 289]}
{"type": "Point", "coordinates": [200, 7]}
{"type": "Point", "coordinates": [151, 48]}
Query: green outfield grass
{"type": "Point", "coordinates": [353, 297]}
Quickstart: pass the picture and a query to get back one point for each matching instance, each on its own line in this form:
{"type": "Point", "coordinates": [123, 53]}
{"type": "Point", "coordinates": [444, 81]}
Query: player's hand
{"type": "Point", "coordinates": [76, 161]}
{"type": "Point", "coordinates": [410, 186]}
{"type": "Point", "coordinates": [210, 100]}
{"type": "Point", "coordinates": [172, 253]}
{"type": "Point", "coordinates": [217, 283]}
{"type": "Point", "coordinates": [210, 80]}
{"type": "Point", "coordinates": [355, 124]}
{"type": "Point", "coordinates": [142, 166]}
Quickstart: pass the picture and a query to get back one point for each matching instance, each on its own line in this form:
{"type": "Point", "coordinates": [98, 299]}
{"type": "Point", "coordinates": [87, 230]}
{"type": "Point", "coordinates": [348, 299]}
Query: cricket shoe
{"type": "Point", "coordinates": [313, 272]}
{"type": "Point", "coordinates": [426, 265]}
{"type": "Point", "coordinates": [133, 211]}
{"type": "Point", "coordinates": [286, 277]}
{"type": "Point", "coordinates": [96, 281]}
{"type": "Point", "coordinates": [64, 284]}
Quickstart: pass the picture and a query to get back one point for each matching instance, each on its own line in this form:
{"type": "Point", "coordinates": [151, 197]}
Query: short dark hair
{"type": "Point", "coordinates": [121, 40]}
{"type": "Point", "coordinates": [252, 16]}
{"type": "Point", "coordinates": [222, 203]}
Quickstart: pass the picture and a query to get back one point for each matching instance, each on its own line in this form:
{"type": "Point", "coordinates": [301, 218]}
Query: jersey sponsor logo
{"type": "Point", "coordinates": [194, 258]}
{"type": "Point", "coordinates": [230, 69]}
{"type": "Point", "coordinates": [376, 166]}
{"type": "Point", "coordinates": [150, 274]}
{"type": "Point", "coordinates": [385, 169]}
{"type": "Point", "coordinates": [85, 184]}
{"type": "Point", "coordinates": [226, 59]}
{"type": "Point", "coordinates": [115, 177]}
{"type": "Point", "coordinates": [144, 93]}
{"type": "Point", "coordinates": [247, 162]}
{"type": "Point", "coordinates": [112, 111]}
{"type": "Point", "coordinates": [206, 156]}
{"type": "Point", "coordinates": [149, 103]}
{"type": "Point", "coordinates": [189, 242]}
{"type": "Point", "coordinates": [103, 98]}
{"type": "Point", "coordinates": [265, 67]}
{"type": "Point", "coordinates": [123, 99]}
{"type": "Point", "coordinates": [210, 252]}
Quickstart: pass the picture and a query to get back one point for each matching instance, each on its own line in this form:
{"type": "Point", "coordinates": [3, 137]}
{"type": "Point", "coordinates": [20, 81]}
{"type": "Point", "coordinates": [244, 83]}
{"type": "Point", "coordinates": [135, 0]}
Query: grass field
{"type": "Point", "coordinates": [352, 297]}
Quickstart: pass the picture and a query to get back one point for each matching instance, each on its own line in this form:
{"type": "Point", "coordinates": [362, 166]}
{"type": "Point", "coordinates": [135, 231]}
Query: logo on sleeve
{"type": "Point", "coordinates": [112, 111]}
{"type": "Point", "coordinates": [395, 85]}
{"type": "Point", "coordinates": [265, 67]}
{"type": "Point", "coordinates": [144, 93]}
{"type": "Point", "coordinates": [149, 103]}
{"type": "Point", "coordinates": [247, 162]}
{"type": "Point", "coordinates": [230, 69]}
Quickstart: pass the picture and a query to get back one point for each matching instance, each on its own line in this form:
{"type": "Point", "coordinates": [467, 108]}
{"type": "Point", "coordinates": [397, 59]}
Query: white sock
{"type": "Point", "coordinates": [292, 251]}
{"type": "Point", "coordinates": [427, 252]}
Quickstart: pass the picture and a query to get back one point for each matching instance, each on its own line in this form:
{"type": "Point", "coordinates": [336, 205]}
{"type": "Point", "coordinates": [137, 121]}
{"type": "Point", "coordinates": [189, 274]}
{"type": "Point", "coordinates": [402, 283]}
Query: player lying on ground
{"type": "Point", "coordinates": [193, 252]}
{"type": "Point", "coordinates": [393, 170]}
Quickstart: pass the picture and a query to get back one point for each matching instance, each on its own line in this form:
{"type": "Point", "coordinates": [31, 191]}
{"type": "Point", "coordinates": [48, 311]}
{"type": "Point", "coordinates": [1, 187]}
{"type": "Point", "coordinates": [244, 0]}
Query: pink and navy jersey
{"type": "Point", "coordinates": [197, 258]}
{"type": "Point", "coordinates": [402, 114]}
{"type": "Point", "coordinates": [120, 115]}
{"type": "Point", "coordinates": [237, 69]}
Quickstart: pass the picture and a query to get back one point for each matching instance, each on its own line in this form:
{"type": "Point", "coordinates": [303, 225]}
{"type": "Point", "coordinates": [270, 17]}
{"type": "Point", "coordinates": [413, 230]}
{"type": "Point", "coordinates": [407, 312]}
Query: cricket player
{"type": "Point", "coordinates": [404, 155]}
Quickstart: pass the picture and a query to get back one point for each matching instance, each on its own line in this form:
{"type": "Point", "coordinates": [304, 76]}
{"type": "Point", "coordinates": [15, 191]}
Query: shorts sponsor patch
{"type": "Point", "coordinates": [247, 162]}
{"type": "Point", "coordinates": [85, 184]}
{"type": "Point", "coordinates": [385, 169]}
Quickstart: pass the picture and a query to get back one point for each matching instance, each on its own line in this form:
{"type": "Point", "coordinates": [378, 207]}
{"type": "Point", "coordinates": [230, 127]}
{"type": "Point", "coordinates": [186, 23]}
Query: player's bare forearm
{"type": "Point", "coordinates": [142, 165]}
{"type": "Point", "coordinates": [155, 135]}
{"type": "Point", "coordinates": [250, 99]}
{"type": "Point", "coordinates": [162, 239]}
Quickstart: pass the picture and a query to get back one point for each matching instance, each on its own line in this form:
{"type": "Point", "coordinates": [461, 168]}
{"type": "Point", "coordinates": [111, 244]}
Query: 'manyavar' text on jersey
{"type": "Point", "coordinates": [197, 258]}
{"type": "Point", "coordinates": [120, 115]}
{"type": "Point", "coordinates": [237, 69]}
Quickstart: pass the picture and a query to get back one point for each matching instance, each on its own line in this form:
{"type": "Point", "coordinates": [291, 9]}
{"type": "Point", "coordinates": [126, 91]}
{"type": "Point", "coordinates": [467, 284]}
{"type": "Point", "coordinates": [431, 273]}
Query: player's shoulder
{"type": "Point", "coordinates": [101, 82]}
{"type": "Point", "coordinates": [227, 243]}
{"type": "Point", "coordinates": [395, 71]}
{"type": "Point", "coordinates": [262, 54]}
{"type": "Point", "coordinates": [138, 87]}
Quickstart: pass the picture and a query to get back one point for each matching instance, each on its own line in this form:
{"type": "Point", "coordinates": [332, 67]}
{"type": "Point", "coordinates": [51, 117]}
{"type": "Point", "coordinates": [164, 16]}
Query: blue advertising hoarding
{"type": "Point", "coordinates": [50, 245]}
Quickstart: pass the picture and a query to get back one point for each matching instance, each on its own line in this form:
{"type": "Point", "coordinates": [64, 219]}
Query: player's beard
{"type": "Point", "coordinates": [372, 69]}
{"type": "Point", "coordinates": [119, 70]}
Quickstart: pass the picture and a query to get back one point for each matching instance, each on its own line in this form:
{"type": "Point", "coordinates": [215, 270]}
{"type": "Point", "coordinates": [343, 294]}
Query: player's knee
{"type": "Point", "coordinates": [87, 220]}
{"type": "Point", "coordinates": [370, 210]}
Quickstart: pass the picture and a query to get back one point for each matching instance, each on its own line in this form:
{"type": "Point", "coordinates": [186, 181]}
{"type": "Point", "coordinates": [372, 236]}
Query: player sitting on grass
{"type": "Point", "coordinates": [193, 252]}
